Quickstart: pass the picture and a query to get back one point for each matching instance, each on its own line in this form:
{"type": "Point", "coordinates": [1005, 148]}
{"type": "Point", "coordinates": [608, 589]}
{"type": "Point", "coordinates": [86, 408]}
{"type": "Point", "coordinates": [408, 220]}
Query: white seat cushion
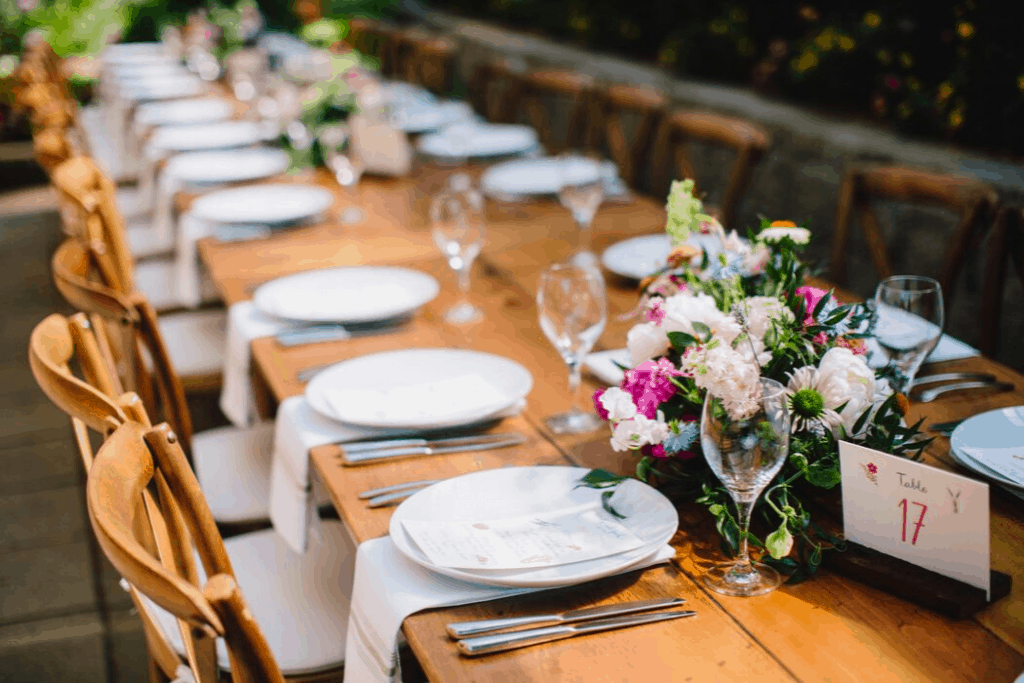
{"type": "Point", "coordinates": [157, 279]}
{"type": "Point", "coordinates": [130, 203]}
{"type": "Point", "coordinates": [102, 146]}
{"type": "Point", "coordinates": [300, 602]}
{"type": "Point", "coordinates": [144, 241]}
{"type": "Point", "coordinates": [195, 341]}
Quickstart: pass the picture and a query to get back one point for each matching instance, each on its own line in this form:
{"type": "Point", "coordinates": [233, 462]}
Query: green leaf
{"type": "Point", "coordinates": [682, 341]}
{"type": "Point", "coordinates": [824, 475]}
{"type": "Point", "coordinates": [606, 504]}
{"type": "Point", "coordinates": [643, 468]}
{"type": "Point", "coordinates": [600, 479]}
{"type": "Point", "coordinates": [821, 305]}
{"type": "Point", "coordinates": [703, 330]}
{"type": "Point", "coordinates": [780, 541]}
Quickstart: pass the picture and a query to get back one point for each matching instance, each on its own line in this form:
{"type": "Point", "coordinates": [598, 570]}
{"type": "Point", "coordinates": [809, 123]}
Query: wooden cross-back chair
{"type": "Point", "coordinates": [609, 105]}
{"type": "Point", "coordinates": [485, 90]}
{"type": "Point", "coordinates": [526, 93]}
{"type": "Point", "coordinates": [1006, 244]}
{"type": "Point", "coordinates": [428, 61]}
{"type": "Point", "coordinates": [148, 538]}
{"type": "Point", "coordinates": [129, 323]}
{"type": "Point", "coordinates": [746, 140]}
{"type": "Point", "coordinates": [972, 200]}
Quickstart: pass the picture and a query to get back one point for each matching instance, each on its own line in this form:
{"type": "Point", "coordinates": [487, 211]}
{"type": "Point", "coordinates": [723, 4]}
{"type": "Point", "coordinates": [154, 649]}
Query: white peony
{"type": "Point", "coordinates": [646, 341]}
{"type": "Point", "coordinates": [761, 310]}
{"type": "Point", "coordinates": [638, 432]}
{"type": "Point", "coordinates": [682, 310]}
{"type": "Point", "coordinates": [618, 403]}
{"type": "Point", "coordinates": [728, 376]}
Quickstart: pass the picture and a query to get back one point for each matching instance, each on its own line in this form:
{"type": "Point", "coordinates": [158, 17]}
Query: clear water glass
{"type": "Point", "coordinates": [910, 319]}
{"type": "Point", "coordinates": [581, 191]}
{"type": "Point", "coordinates": [458, 228]}
{"type": "Point", "coordinates": [746, 455]}
{"type": "Point", "coordinates": [573, 310]}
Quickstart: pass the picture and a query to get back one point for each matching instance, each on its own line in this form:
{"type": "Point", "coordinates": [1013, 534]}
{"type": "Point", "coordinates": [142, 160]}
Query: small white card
{"type": "Point", "coordinates": [543, 540]}
{"type": "Point", "coordinates": [921, 514]}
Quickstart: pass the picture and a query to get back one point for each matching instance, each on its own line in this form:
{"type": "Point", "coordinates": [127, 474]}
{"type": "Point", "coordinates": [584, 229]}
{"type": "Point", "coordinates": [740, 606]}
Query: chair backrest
{"type": "Point", "coordinates": [1006, 243]}
{"type": "Point", "coordinates": [526, 92]}
{"type": "Point", "coordinates": [972, 200]}
{"type": "Point", "coordinates": [129, 324]}
{"type": "Point", "coordinates": [151, 520]}
{"type": "Point", "coordinates": [80, 182]}
{"type": "Point", "coordinates": [609, 105]}
{"type": "Point", "coordinates": [745, 139]}
{"type": "Point", "coordinates": [53, 146]}
{"type": "Point", "coordinates": [429, 61]}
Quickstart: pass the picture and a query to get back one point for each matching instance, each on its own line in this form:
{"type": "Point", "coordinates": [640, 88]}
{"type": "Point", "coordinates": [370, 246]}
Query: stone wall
{"type": "Point", "coordinates": [799, 177]}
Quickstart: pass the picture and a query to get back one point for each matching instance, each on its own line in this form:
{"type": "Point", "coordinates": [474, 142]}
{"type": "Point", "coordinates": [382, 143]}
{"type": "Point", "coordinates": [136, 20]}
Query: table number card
{"type": "Point", "coordinates": [917, 513]}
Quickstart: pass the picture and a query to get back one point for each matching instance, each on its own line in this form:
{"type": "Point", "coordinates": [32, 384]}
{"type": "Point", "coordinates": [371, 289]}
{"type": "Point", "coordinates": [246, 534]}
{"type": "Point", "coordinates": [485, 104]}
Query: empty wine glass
{"type": "Point", "coordinates": [581, 191]}
{"type": "Point", "coordinates": [909, 323]}
{"type": "Point", "coordinates": [457, 226]}
{"type": "Point", "coordinates": [745, 454]}
{"type": "Point", "coordinates": [572, 309]}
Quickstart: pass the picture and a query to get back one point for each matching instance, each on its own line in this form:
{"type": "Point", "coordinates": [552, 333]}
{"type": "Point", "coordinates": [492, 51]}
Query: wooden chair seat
{"type": "Point", "coordinates": [973, 201]}
{"type": "Point", "coordinates": [745, 139]}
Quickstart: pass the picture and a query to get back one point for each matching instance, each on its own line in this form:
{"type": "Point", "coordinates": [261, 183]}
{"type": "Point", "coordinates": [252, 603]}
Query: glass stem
{"type": "Point", "coordinates": [743, 514]}
{"type": "Point", "coordinates": [586, 237]}
{"type": "Point", "coordinates": [464, 283]}
{"type": "Point", "coordinates": [575, 383]}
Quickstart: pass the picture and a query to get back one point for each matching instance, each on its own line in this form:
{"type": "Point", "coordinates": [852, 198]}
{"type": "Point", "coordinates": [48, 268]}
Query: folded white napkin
{"type": "Point", "coordinates": [388, 588]}
{"type": "Point", "coordinates": [245, 323]}
{"type": "Point", "coordinates": [603, 365]}
{"type": "Point", "coordinates": [297, 429]}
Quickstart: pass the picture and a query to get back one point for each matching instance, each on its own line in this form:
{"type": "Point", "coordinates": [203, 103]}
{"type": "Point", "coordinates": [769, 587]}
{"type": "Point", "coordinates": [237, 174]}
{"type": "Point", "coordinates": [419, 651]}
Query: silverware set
{"type": "Point", "coordinates": [960, 381]}
{"type": "Point", "coordinates": [314, 334]}
{"type": "Point", "coordinates": [476, 638]}
{"type": "Point", "coordinates": [365, 452]}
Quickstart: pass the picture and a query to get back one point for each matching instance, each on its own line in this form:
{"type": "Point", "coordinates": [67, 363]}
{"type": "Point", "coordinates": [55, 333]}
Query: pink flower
{"type": "Point", "coordinates": [811, 295]}
{"type": "Point", "coordinates": [872, 468]}
{"type": "Point", "coordinates": [601, 412]}
{"type": "Point", "coordinates": [650, 385]}
{"type": "Point", "coordinates": [658, 451]}
{"type": "Point", "coordinates": [655, 311]}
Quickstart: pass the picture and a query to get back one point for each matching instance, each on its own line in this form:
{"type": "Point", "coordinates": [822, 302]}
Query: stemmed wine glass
{"type": "Point", "coordinates": [746, 454]}
{"type": "Point", "coordinates": [572, 308]}
{"type": "Point", "coordinates": [457, 226]}
{"type": "Point", "coordinates": [910, 318]}
{"type": "Point", "coordinates": [581, 191]}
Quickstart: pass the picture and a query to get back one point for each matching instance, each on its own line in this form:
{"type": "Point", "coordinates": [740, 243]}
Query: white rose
{"type": "Point", "coordinates": [682, 311]}
{"type": "Point", "coordinates": [627, 435]}
{"type": "Point", "coordinates": [844, 377]}
{"type": "Point", "coordinates": [761, 310]}
{"type": "Point", "coordinates": [618, 403]}
{"type": "Point", "coordinates": [646, 341]}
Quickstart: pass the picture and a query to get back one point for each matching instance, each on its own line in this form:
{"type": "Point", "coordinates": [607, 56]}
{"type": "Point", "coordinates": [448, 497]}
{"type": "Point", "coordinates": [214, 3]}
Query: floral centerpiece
{"type": "Point", "coordinates": [719, 318]}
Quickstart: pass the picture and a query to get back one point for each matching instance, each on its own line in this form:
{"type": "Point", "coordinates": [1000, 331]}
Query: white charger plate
{"type": "Point", "coordinates": [638, 257]}
{"type": "Point", "coordinates": [480, 140]}
{"type": "Point", "coordinates": [346, 295]}
{"type": "Point", "coordinates": [537, 176]}
{"type": "Point", "coordinates": [220, 135]}
{"type": "Point", "coordinates": [983, 442]}
{"type": "Point", "coordinates": [393, 370]}
{"type": "Point", "coordinates": [419, 117]}
{"type": "Point", "coordinates": [228, 166]}
{"type": "Point", "coordinates": [129, 72]}
{"type": "Point", "coordinates": [514, 492]}
{"type": "Point", "coordinates": [263, 204]}
{"type": "Point", "coordinates": [164, 88]}
{"type": "Point", "coordinates": [178, 112]}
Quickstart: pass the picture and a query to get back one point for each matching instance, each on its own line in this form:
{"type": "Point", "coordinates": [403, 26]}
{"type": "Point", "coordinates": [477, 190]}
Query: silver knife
{"type": "Point", "coordinates": [483, 645]}
{"type": "Point", "coordinates": [465, 629]}
{"type": "Point", "coordinates": [391, 498]}
{"type": "Point", "coordinates": [373, 493]}
{"type": "Point", "coordinates": [951, 377]}
{"type": "Point", "coordinates": [371, 456]}
{"type": "Point", "coordinates": [393, 444]}
{"type": "Point", "coordinates": [929, 395]}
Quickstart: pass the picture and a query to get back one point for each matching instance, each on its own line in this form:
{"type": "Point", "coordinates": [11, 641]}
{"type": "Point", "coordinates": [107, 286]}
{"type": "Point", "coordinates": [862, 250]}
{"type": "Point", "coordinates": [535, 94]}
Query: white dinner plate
{"type": "Point", "coordinates": [418, 117]}
{"type": "Point", "coordinates": [220, 135]}
{"type": "Point", "coordinates": [129, 72]}
{"type": "Point", "coordinates": [418, 388]}
{"type": "Point", "coordinates": [164, 88]}
{"type": "Point", "coordinates": [479, 140]}
{"type": "Point", "coordinates": [262, 204]}
{"type": "Point", "coordinates": [639, 257]}
{"type": "Point", "coordinates": [134, 53]}
{"type": "Point", "coordinates": [537, 176]}
{"type": "Point", "coordinates": [346, 295]}
{"type": "Point", "coordinates": [513, 492]}
{"type": "Point", "coordinates": [179, 112]}
{"type": "Point", "coordinates": [228, 166]}
{"type": "Point", "coordinates": [992, 444]}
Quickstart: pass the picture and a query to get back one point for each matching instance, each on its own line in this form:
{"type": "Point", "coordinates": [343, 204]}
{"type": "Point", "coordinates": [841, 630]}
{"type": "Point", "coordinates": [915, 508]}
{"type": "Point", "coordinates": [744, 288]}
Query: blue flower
{"type": "Point", "coordinates": [682, 438]}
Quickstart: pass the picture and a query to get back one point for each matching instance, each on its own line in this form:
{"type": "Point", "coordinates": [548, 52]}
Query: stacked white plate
{"type": "Point", "coordinates": [638, 257]}
{"type": "Point", "coordinates": [526, 177]}
{"type": "Point", "coordinates": [514, 493]}
{"type": "Point", "coordinates": [992, 445]}
{"type": "Point", "coordinates": [228, 166]}
{"type": "Point", "coordinates": [419, 389]}
{"type": "Point", "coordinates": [419, 117]}
{"type": "Point", "coordinates": [162, 88]}
{"type": "Point", "coordinates": [221, 135]}
{"type": "Point", "coordinates": [478, 140]}
{"type": "Point", "coordinates": [180, 112]}
{"type": "Point", "coordinates": [263, 204]}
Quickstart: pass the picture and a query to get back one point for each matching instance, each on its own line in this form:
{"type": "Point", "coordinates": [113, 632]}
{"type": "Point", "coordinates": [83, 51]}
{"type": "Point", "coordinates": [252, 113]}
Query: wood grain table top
{"type": "Point", "coordinates": [825, 629]}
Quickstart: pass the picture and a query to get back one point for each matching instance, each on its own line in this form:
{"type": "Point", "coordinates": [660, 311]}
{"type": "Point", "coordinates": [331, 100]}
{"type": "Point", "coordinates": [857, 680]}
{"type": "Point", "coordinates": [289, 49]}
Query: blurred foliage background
{"type": "Point", "coordinates": [948, 70]}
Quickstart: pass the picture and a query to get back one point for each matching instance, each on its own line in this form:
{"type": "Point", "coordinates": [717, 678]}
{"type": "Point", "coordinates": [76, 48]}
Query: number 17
{"type": "Point", "coordinates": [917, 525]}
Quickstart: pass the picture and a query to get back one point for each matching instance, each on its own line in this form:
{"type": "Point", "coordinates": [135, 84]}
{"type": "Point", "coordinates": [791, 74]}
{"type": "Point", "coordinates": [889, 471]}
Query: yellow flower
{"type": "Point", "coordinates": [872, 19]}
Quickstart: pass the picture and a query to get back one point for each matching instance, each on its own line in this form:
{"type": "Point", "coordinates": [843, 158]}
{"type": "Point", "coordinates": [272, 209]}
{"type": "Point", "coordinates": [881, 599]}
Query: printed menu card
{"type": "Point", "coordinates": [921, 514]}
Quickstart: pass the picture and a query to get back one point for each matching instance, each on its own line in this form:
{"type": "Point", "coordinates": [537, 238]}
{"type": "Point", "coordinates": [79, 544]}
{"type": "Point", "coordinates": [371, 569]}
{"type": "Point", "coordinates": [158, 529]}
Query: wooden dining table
{"type": "Point", "coordinates": [829, 628]}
